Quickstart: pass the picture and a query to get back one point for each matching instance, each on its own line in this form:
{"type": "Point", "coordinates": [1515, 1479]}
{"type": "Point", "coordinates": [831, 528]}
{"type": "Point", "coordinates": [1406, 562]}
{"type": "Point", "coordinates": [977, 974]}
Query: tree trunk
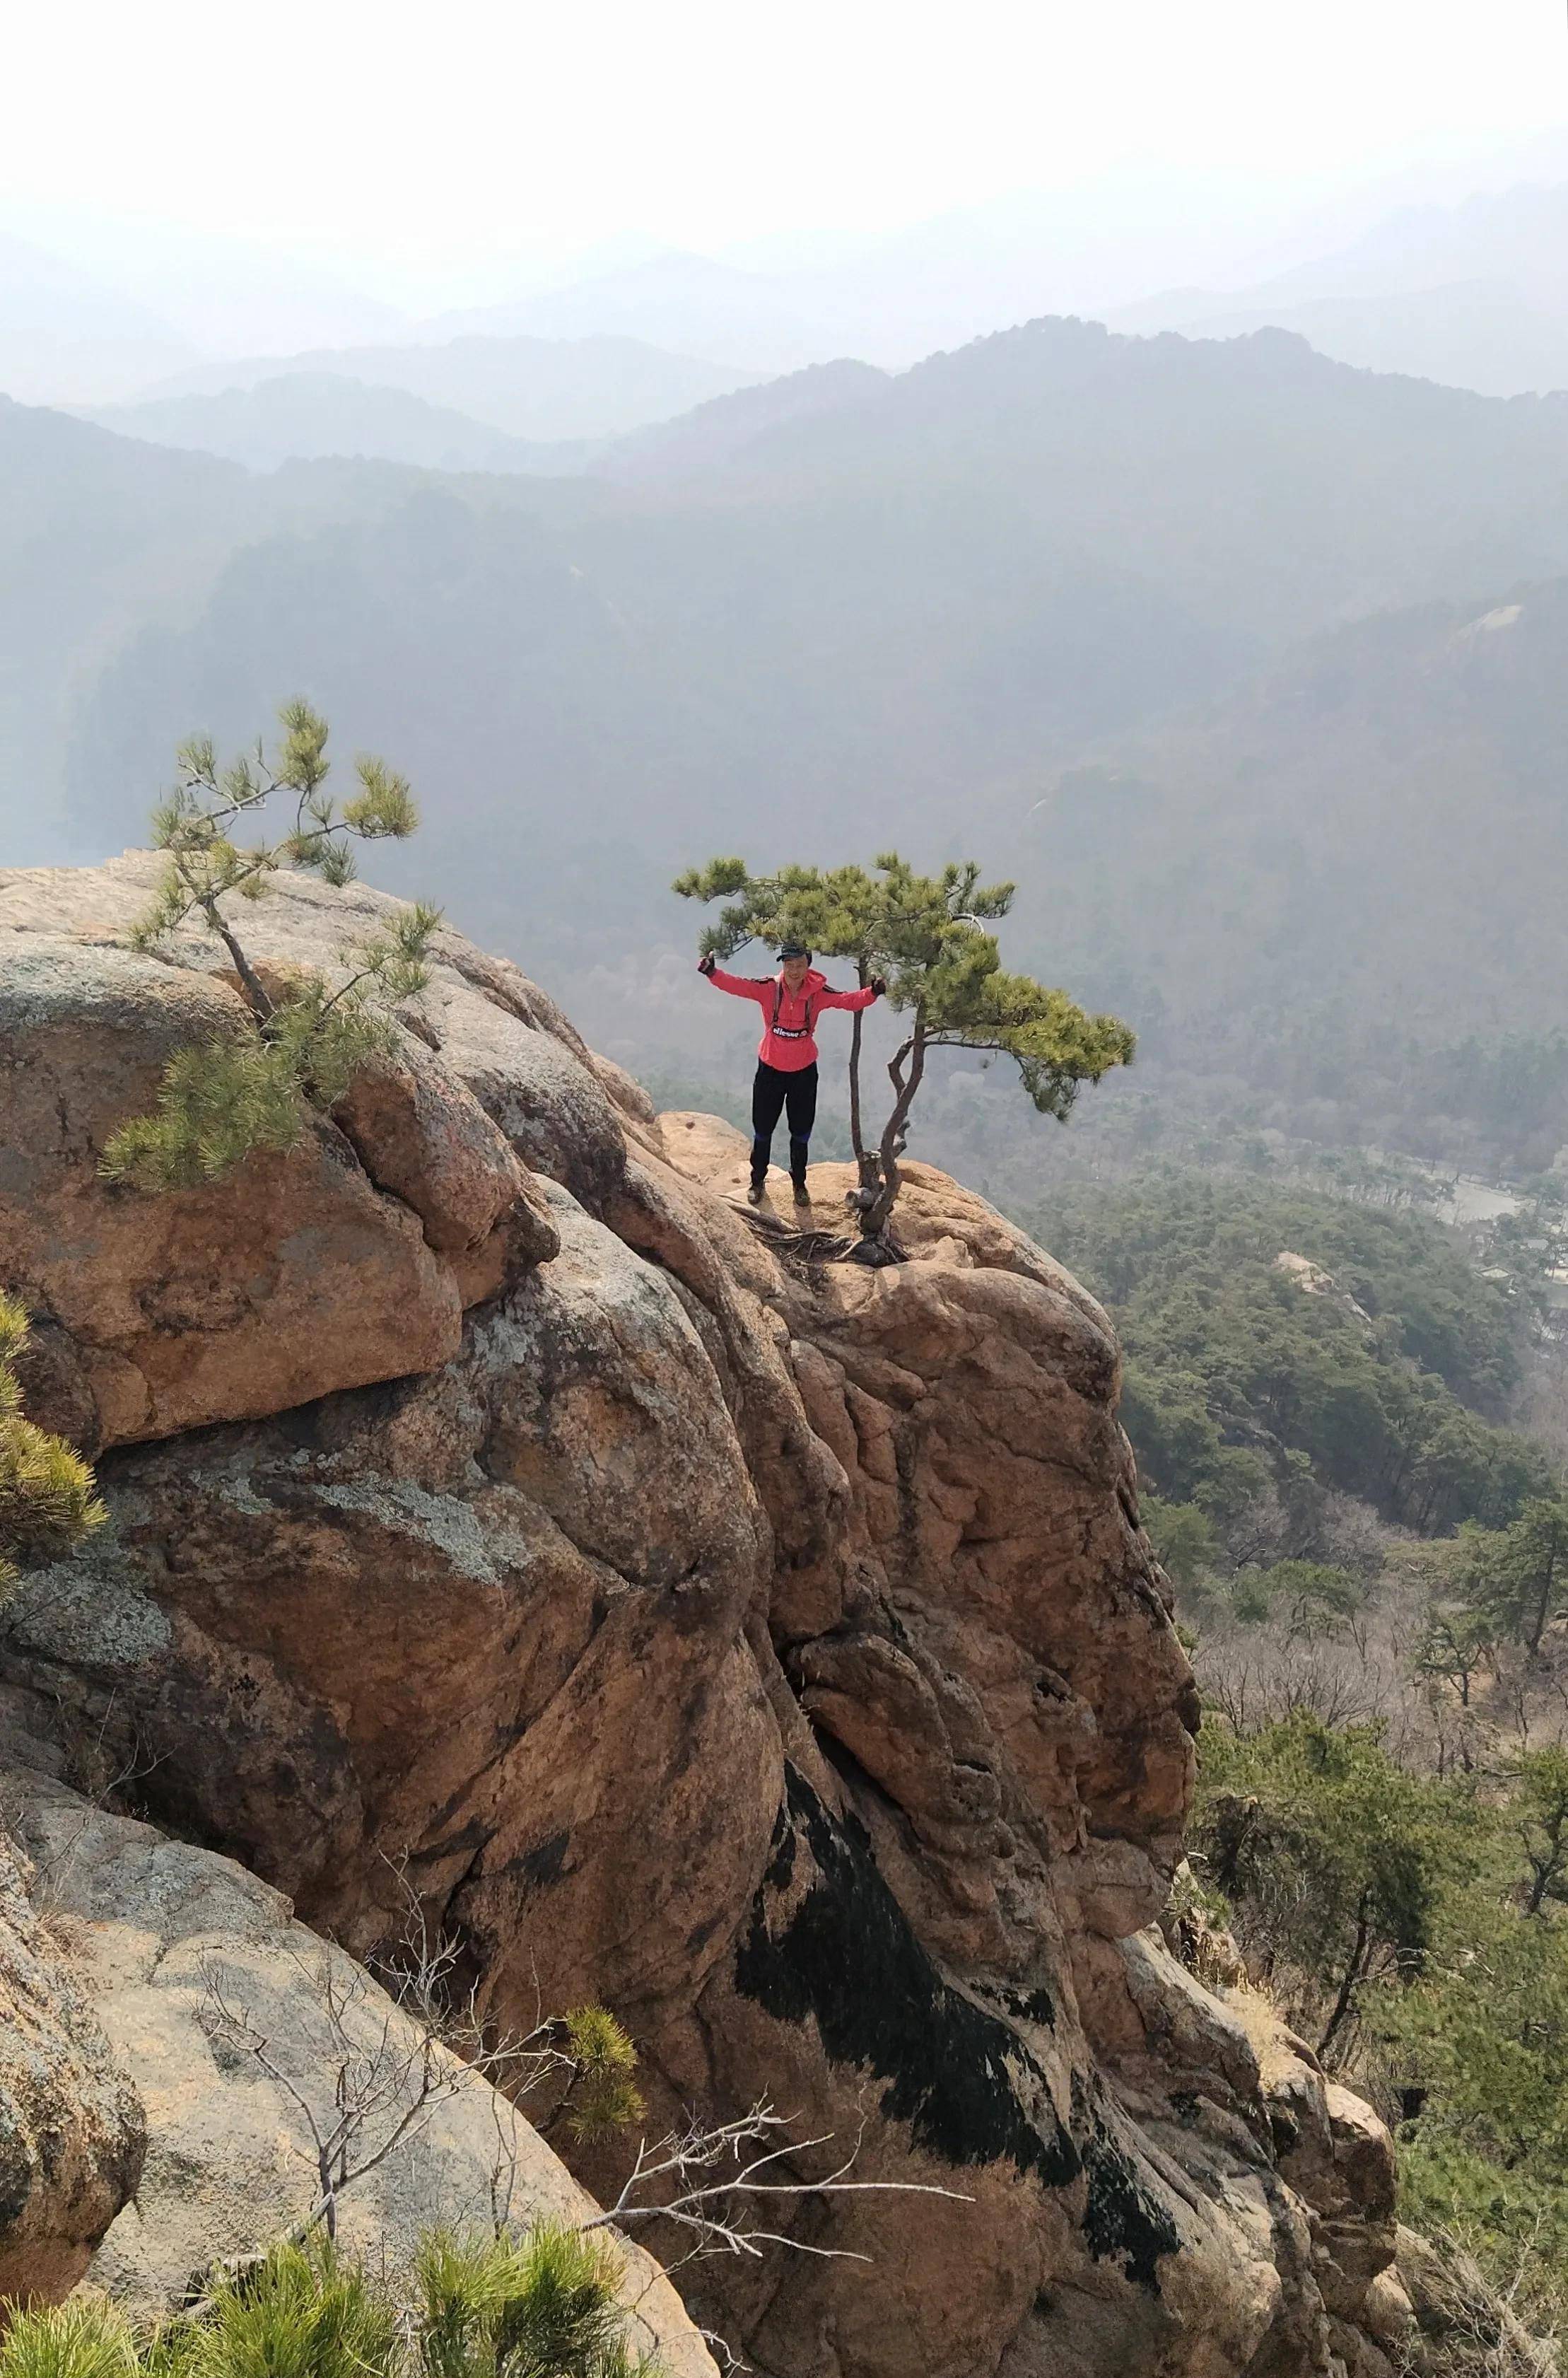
{"type": "Point", "coordinates": [1543, 1607]}
{"type": "Point", "coordinates": [875, 1216]}
{"type": "Point", "coordinates": [256, 999]}
{"type": "Point", "coordinates": [1547, 1869]}
{"type": "Point", "coordinates": [1353, 1976]}
{"type": "Point", "coordinates": [866, 1165]}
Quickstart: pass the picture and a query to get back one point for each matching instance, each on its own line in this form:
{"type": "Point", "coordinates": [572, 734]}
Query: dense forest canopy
{"type": "Point", "coordinates": [1278, 1335]}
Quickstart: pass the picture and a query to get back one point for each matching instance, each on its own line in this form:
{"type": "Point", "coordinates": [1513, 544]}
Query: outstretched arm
{"type": "Point", "coordinates": [739, 986]}
{"type": "Point", "coordinates": [853, 998]}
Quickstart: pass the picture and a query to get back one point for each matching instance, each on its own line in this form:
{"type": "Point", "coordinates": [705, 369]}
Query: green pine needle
{"type": "Point", "coordinates": [604, 2096]}
{"type": "Point", "coordinates": [83, 2339]}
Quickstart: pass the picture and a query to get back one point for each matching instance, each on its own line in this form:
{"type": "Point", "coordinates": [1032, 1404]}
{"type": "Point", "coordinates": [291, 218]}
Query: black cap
{"type": "Point", "coordinates": [794, 950]}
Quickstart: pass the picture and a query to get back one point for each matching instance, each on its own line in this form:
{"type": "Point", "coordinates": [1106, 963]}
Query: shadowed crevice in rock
{"type": "Point", "coordinates": [846, 1958]}
{"type": "Point", "coordinates": [1030, 2006]}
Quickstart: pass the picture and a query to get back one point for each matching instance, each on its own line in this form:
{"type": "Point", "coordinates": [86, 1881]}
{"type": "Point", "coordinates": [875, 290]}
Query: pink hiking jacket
{"type": "Point", "coordinates": [789, 1017]}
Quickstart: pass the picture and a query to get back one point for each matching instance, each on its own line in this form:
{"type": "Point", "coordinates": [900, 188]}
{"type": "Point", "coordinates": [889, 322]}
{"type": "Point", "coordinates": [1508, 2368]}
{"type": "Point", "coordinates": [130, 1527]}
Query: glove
{"type": "Point", "coordinates": [880, 985]}
{"type": "Point", "coordinates": [707, 962]}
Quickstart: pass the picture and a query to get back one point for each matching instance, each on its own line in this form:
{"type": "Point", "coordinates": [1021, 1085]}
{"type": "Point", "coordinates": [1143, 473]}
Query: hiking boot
{"type": "Point", "coordinates": [755, 1193]}
{"type": "Point", "coordinates": [802, 1195]}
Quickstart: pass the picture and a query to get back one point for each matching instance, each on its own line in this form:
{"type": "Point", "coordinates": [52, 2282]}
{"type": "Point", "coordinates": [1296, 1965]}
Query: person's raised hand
{"type": "Point", "coordinates": [880, 985]}
{"type": "Point", "coordinates": [707, 962]}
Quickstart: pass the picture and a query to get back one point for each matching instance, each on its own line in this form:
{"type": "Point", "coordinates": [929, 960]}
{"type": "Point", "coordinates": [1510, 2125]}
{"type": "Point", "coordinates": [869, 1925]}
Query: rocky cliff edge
{"type": "Point", "coordinates": [763, 1646]}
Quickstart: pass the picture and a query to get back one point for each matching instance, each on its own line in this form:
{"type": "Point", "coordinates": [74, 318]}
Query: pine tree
{"type": "Point", "coordinates": [227, 1099]}
{"type": "Point", "coordinates": [1519, 1574]}
{"type": "Point", "coordinates": [926, 934]}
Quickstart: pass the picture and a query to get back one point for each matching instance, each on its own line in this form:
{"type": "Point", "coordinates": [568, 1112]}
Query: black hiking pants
{"type": "Point", "coordinates": [772, 1092]}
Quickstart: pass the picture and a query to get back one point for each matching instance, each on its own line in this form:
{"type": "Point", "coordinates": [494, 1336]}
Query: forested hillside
{"type": "Point", "coordinates": [1372, 1560]}
{"type": "Point", "coordinates": [1286, 1345]}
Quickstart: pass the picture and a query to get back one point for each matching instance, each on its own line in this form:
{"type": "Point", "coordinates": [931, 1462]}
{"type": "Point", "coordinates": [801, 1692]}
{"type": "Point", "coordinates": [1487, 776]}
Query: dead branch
{"type": "Point", "coordinates": [717, 2212]}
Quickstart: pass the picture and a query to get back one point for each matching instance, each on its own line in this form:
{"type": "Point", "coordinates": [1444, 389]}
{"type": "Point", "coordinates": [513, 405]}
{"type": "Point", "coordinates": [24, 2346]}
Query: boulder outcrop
{"type": "Point", "coordinates": [348, 1259]}
{"type": "Point", "coordinates": [765, 1646]}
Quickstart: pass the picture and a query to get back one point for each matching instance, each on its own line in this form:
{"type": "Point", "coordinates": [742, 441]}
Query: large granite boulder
{"type": "Point", "coordinates": [242, 2029]}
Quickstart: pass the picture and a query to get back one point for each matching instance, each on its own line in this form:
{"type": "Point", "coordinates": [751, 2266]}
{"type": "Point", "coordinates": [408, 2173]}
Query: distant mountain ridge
{"type": "Point", "coordinates": [1192, 637]}
{"type": "Point", "coordinates": [531, 388]}
{"type": "Point", "coordinates": [1271, 487]}
{"type": "Point", "coordinates": [1474, 296]}
{"type": "Point", "coordinates": [1220, 251]}
{"type": "Point", "coordinates": [60, 326]}
{"type": "Point", "coordinates": [725, 430]}
{"type": "Point", "coordinates": [310, 415]}
{"type": "Point", "coordinates": [691, 304]}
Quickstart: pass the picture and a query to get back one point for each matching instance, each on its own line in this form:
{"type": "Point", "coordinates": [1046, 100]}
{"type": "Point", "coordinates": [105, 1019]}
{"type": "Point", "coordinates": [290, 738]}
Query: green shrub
{"type": "Point", "coordinates": [85, 2338]}
{"type": "Point", "coordinates": [604, 2095]}
{"type": "Point", "coordinates": [304, 2311]}
{"type": "Point", "coordinates": [545, 2305]}
{"type": "Point", "coordinates": [541, 2307]}
{"type": "Point", "coordinates": [1417, 1928]}
{"type": "Point", "coordinates": [1331, 1857]}
{"type": "Point", "coordinates": [1514, 2223]}
{"type": "Point", "coordinates": [220, 1101]}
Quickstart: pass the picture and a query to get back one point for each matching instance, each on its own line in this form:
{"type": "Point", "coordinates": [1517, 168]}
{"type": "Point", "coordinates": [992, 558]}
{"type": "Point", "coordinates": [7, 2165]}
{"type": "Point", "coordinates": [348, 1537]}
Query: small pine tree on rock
{"type": "Point", "coordinates": [229, 1097]}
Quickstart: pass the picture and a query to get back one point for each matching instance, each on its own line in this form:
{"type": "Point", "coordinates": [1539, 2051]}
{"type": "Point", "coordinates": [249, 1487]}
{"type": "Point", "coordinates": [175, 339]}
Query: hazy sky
{"type": "Point", "coordinates": [413, 133]}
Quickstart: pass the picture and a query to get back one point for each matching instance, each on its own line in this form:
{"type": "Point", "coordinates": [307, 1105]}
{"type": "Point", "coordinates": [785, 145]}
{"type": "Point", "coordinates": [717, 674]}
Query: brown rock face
{"type": "Point", "coordinates": [770, 1650]}
{"type": "Point", "coordinates": [208, 1303]}
{"type": "Point", "coordinates": [349, 1260]}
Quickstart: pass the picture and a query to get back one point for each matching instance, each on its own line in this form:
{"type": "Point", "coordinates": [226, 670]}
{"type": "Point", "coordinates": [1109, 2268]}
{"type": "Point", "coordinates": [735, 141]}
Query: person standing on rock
{"type": "Point", "coordinates": [791, 1002]}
